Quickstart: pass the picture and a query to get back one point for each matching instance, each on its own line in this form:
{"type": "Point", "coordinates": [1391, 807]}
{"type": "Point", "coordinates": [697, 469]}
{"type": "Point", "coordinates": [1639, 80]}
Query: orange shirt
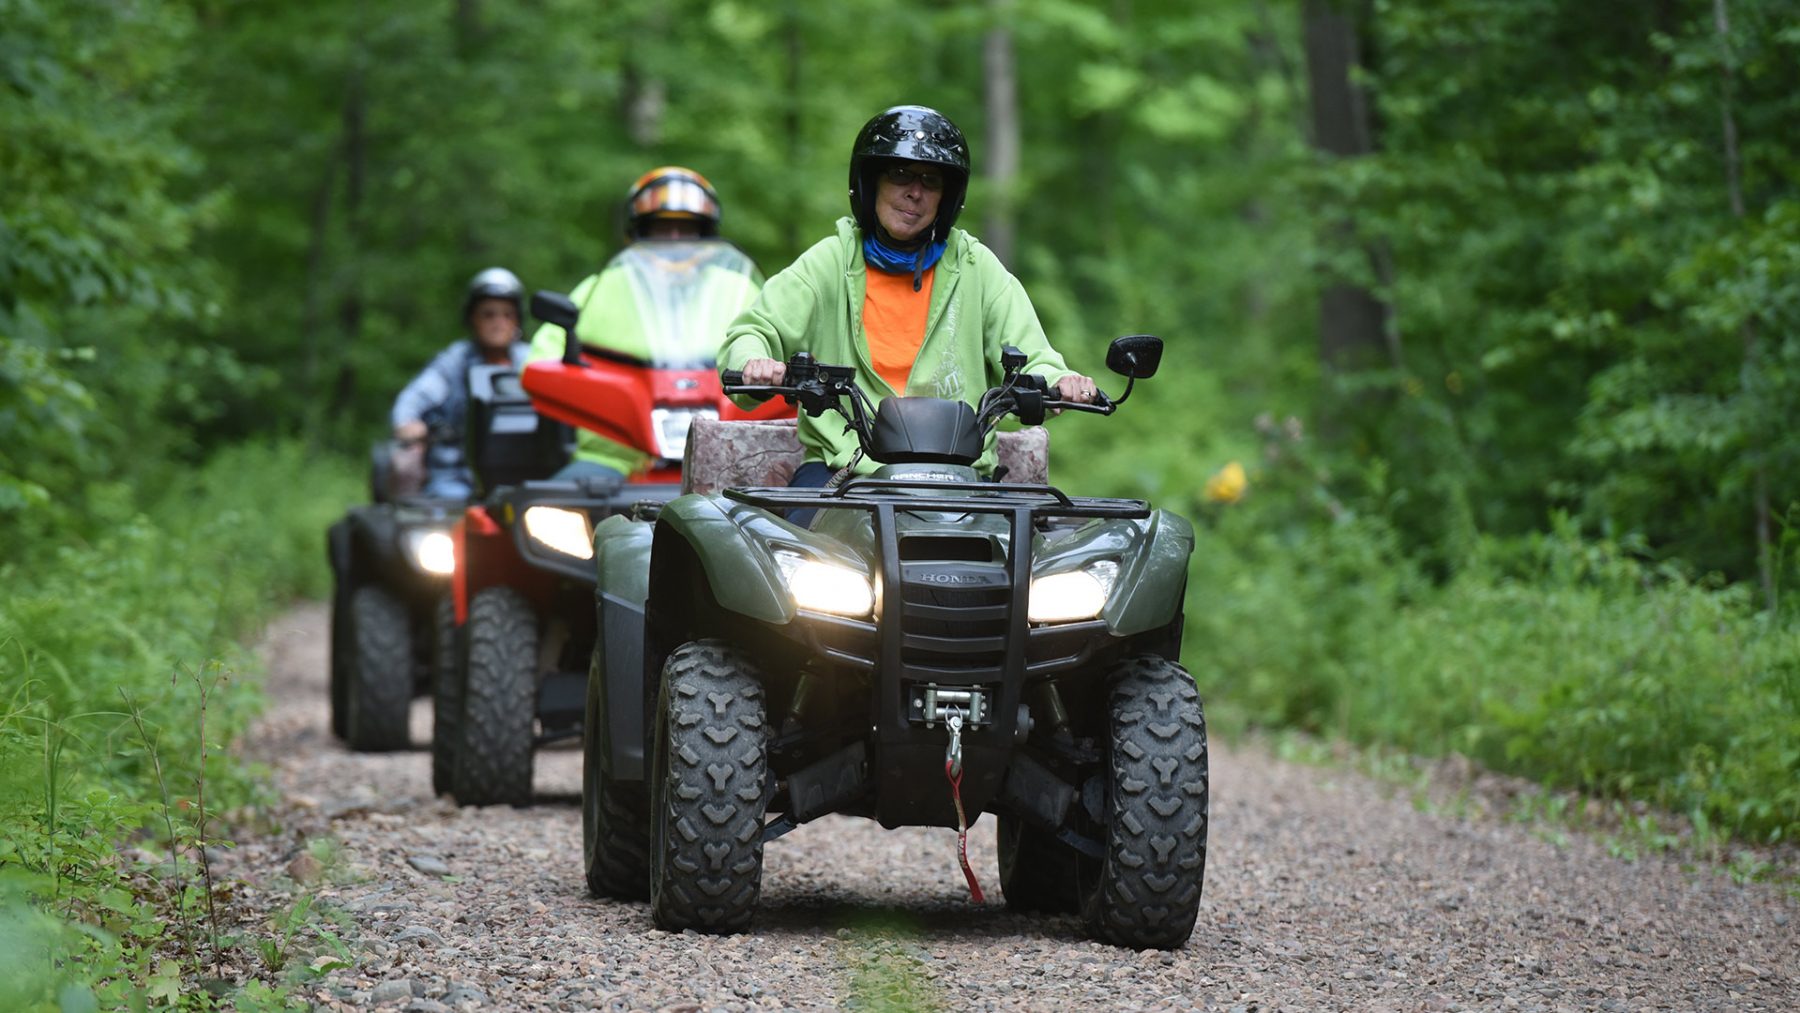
{"type": "Point", "coordinates": [894, 322]}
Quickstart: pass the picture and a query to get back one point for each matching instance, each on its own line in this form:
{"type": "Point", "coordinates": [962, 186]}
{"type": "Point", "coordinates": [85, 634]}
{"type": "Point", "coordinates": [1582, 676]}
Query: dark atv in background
{"type": "Point", "coordinates": [933, 643]}
{"type": "Point", "coordinates": [524, 590]}
{"type": "Point", "coordinates": [391, 562]}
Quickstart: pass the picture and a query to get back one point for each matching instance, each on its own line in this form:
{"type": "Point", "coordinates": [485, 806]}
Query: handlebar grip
{"type": "Point", "coordinates": [732, 377]}
{"type": "Point", "coordinates": [1101, 402]}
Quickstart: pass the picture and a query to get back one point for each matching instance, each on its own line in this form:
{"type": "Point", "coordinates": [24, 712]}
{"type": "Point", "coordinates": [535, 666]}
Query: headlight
{"type": "Point", "coordinates": [432, 551]}
{"type": "Point", "coordinates": [1072, 596]}
{"type": "Point", "coordinates": [672, 425]}
{"type": "Point", "coordinates": [560, 530]}
{"type": "Point", "coordinates": [825, 587]}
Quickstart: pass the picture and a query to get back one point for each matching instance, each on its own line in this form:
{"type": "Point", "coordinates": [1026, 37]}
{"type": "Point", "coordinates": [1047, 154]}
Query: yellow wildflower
{"type": "Point", "coordinates": [1227, 484]}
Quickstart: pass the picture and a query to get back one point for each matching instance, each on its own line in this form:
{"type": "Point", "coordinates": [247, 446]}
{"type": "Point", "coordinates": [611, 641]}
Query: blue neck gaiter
{"type": "Point", "coordinates": [883, 257]}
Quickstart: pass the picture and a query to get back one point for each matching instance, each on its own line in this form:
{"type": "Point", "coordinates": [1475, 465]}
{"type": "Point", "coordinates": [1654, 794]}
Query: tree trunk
{"type": "Point", "coordinates": [1734, 187]}
{"type": "Point", "coordinates": [1356, 330]}
{"type": "Point", "coordinates": [465, 22]}
{"type": "Point", "coordinates": [350, 309]}
{"type": "Point", "coordinates": [311, 327]}
{"type": "Point", "coordinates": [1002, 158]}
{"type": "Point", "coordinates": [793, 121]}
{"type": "Point", "coordinates": [645, 99]}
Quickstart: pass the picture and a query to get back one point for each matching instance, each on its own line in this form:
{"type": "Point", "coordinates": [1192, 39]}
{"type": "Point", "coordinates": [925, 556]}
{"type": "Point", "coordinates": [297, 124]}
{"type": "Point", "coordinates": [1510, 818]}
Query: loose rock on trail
{"type": "Point", "coordinates": [1324, 890]}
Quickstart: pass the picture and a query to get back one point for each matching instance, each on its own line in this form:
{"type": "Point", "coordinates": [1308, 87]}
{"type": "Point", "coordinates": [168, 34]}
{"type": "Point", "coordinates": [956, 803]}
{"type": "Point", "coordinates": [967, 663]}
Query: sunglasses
{"type": "Point", "coordinates": [901, 176]}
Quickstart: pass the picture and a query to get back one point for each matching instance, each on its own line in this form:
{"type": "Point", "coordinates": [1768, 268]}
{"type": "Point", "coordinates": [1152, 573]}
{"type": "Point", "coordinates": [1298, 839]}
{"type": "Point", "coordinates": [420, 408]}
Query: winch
{"type": "Point", "coordinates": [931, 704]}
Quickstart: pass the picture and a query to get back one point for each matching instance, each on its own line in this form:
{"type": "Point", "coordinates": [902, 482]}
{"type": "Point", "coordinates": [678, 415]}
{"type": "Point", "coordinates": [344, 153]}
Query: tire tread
{"type": "Point", "coordinates": [1146, 894]}
{"type": "Point", "coordinates": [709, 791]}
{"type": "Point", "coordinates": [498, 717]}
{"type": "Point", "coordinates": [377, 686]}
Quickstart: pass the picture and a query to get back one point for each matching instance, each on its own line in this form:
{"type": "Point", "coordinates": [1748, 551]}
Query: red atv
{"type": "Point", "coordinates": [524, 588]}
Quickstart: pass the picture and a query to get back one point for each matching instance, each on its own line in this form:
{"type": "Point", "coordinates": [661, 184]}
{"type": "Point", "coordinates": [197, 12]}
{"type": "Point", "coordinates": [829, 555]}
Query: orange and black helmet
{"type": "Point", "coordinates": [671, 191]}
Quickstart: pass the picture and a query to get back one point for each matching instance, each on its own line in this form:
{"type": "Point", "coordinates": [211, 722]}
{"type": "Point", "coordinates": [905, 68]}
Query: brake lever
{"type": "Point", "coordinates": [1101, 405]}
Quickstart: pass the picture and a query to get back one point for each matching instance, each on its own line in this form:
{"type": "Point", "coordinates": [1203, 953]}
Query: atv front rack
{"type": "Point", "coordinates": [973, 497]}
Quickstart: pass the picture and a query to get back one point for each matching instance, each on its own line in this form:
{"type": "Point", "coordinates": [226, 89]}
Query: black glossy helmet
{"type": "Point", "coordinates": [495, 283]}
{"type": "Point", "coordinates": [909, 134]}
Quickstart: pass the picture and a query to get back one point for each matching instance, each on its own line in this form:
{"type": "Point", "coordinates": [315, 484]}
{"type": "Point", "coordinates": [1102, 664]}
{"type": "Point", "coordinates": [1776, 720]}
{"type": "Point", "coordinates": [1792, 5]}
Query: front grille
{"type": "Point", "coordinates": [940, 548]}
{"type": "Point", "coordinates": [955, 616]}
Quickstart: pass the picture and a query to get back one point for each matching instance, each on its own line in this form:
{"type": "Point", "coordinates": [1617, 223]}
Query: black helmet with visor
{"type": "Point", "coordinates": [909, 134]}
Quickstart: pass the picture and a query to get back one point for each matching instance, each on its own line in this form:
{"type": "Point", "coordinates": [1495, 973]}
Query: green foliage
{"type": "Point", "coordinates": [1562, 659]}
{"type": "Point", "coordinates": [1584, 221]}
{"type": "Point", "coordinates": [101, 381]}
{"type": "Point", "coordinates": [1594, 325]}
{"type": "Point", "coordinates": [126, 680]}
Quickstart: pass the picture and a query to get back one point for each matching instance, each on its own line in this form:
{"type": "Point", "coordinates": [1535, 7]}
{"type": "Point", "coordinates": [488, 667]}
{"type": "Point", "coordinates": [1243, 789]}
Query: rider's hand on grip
{"type": "Point", "coordinates": [764, 373]}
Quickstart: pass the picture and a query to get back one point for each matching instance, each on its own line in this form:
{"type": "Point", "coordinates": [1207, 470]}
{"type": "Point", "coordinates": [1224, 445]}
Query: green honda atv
{"type": "Point", "coordinates": [932, 646]}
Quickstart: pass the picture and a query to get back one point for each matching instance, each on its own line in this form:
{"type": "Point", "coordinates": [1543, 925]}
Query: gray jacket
{"type": "Point", "coordinates": [439, 397]}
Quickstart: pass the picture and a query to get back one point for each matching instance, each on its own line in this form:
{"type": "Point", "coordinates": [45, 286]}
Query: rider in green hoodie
{"type": "Point", "coordinates": [663, 300]}
{"type": "Point", "coordinates": [917, 306]}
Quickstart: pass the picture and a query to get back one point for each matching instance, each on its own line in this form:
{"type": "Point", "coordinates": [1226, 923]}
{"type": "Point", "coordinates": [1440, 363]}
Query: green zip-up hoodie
{"type": "Point", "coordinates": [977, 308]}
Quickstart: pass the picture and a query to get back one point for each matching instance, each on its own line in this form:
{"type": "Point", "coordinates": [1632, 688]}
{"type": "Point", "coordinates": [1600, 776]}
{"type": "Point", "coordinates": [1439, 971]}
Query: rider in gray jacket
{"type": "Point", "coordinates": [433, 404]}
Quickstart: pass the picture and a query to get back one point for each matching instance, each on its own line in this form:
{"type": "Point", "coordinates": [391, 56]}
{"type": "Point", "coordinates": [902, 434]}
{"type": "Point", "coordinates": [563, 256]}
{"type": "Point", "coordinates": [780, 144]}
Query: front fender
{"type": "Point", "coordinates": [1152, 582]}
{"type": "Point", "coordinates": [622, 558]}
{"type": "Point", "coordinates": [1153, 557]}
{"type": "Point", "coordinates": [731, 543]}
{"type": "Point", "coordinates": [616, 676]}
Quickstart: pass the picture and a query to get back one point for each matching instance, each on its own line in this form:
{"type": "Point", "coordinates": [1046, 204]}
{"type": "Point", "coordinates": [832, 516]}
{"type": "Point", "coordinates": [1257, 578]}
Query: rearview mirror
{"type": "Point", "coordinates": [1134, 355]}
{"type": "Point", "coordinates": [555, 308]}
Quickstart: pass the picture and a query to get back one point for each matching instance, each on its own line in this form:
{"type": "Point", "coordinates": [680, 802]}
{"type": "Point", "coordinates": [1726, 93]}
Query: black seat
{"type": "Point", "coordinates": [509, 442]}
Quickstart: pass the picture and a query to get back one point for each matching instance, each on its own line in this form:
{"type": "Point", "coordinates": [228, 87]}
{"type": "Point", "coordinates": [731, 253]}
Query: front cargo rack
{"type": "Point", "coordinates": [973, 497]}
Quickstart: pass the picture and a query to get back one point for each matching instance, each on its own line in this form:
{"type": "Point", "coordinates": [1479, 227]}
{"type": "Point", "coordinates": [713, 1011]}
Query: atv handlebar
{"type": "Point", "coordinates": [815, 388]}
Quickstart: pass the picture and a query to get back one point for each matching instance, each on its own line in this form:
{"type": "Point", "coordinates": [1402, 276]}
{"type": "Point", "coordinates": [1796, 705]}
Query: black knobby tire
{"type": "Point", "coordinates": [1037, 872]}
{"type": "Point", "coordinates": [498, 717]}
{"type": "Point", "coordinates": [709, 790]}
{"type": "Point", "coordinates": [341, 647]}
{"type": "Point", "coordinates": [443, 640]}
{"type": "Point", "coordinates": [446, 697]}
{"type": "Point", "coordinates": [378, 681]}
{"type": "Point", "coordinates": [1145, 892]}
{"type": "Point", "coordinates": [615, 818]}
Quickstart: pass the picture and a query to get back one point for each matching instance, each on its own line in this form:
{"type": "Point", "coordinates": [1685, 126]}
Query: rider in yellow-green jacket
{"type": "Point", "coordinates": [917, 306]}
{"type": "Point", "coordinates": [664, 300]}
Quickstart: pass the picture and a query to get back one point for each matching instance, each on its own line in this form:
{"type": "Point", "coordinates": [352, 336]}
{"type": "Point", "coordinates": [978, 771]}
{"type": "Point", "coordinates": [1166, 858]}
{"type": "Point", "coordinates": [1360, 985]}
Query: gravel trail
{"type": "Point", "coordinates": [1324, 891]}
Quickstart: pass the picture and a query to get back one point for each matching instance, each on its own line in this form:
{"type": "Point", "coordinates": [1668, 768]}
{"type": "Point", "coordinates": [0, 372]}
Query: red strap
{"type": "Point", "coordinates": [962, 833]}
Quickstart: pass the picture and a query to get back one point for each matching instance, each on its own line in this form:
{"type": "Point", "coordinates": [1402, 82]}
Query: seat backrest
{"type": "Point", "coordinates": [1025, 455]}
{"type": "Point", "coordinates": [721, 454]}
{"type": "Point", "coordinates": [508, 441]}
{"type": "Point", "coordinates": [753, 452]}
{"type": "Point", "coordinates": [396, 470]}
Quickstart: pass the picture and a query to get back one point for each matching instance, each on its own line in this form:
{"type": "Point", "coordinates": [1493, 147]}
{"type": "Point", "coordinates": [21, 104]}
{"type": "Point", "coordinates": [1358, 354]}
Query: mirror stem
{"type": "Point", "coordinates": [1130, 381]}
